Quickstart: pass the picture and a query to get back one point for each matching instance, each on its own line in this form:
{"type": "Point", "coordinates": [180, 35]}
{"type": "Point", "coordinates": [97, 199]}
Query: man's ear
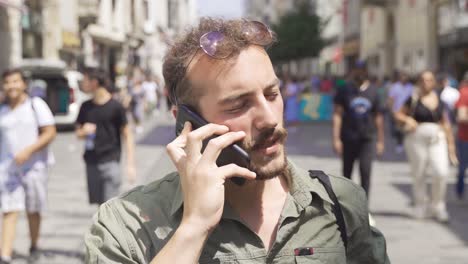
{"type": "Point", "coordinates": [174, 111]}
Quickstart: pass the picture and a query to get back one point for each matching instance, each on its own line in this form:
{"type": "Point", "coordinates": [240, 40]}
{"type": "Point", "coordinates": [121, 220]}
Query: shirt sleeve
{"type": "Point", "coordinates": [462, 100]}
{"type": "Point", "coordinates": [42, 111]}
{"type": "Point", "coordinates": [391, 91]}
{"type": "Point", "coordinates": [339, 97]}
{"type": "Point", "coordinates": [122, 116]}
{"type": "Point", "coordinates": [105, 242]}
{"type": "Point", "coordinates": [80, 120]}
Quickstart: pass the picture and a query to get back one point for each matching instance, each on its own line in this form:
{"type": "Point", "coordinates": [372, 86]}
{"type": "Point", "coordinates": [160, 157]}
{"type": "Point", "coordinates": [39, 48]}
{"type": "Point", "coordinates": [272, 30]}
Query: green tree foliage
{"type": "Point", "coordinates": [298, 34]}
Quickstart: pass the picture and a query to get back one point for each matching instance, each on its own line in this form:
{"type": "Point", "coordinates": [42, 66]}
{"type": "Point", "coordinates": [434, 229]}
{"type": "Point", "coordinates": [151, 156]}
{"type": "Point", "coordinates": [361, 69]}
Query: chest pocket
{"type": "Point", "coordinates": [326, 255]}
{"type": "Point", "coordinates": [220, 258]}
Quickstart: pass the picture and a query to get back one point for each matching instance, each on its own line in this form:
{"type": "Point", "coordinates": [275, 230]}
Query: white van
{"type": "Point", "coordinates": [58, 87]}
{"type": "Point", "coordinates": [76, 98]}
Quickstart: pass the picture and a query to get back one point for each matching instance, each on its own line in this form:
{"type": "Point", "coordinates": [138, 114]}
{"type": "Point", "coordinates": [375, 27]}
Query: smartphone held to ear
{"type": "Point", "coordinates": [232, 154]}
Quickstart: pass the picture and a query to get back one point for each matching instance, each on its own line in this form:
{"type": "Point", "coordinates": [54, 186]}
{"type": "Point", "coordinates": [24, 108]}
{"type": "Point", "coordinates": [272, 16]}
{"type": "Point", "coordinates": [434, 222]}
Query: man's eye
{"type": "Point", "coordinates": [271, 96]}
{"type": "Point", "coordinates": [236, 108]}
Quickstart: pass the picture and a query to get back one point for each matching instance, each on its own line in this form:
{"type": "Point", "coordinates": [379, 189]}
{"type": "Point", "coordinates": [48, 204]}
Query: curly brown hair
{"type": "Point", "coordinates": [184, 49]}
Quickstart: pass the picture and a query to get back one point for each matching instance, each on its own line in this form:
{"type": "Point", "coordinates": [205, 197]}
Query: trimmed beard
{"type": "Point", "coordinates": [279, 135]}
{"type": "Point", "coordinates": [263, 174]}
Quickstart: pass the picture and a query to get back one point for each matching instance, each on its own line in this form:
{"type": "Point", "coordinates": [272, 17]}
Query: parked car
{"type": "Point", "coordinates": [58, 87]}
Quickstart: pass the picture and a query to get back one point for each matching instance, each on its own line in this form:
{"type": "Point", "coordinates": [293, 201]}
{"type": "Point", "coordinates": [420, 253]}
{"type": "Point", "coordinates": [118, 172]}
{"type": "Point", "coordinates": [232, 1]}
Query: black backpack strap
{"type": "Point", "coordinates": [336, 208]}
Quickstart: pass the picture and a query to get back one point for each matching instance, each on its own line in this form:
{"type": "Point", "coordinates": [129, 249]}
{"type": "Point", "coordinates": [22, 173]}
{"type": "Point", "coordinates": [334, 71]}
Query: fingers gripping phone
{"type": "Point", "coordinates": [232, 154]}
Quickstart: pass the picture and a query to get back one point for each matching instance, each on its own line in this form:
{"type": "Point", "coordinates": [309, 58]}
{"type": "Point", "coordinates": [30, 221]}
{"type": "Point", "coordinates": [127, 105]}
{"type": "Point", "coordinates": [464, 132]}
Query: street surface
{"type": "Point", "coordinates": [309, 145]}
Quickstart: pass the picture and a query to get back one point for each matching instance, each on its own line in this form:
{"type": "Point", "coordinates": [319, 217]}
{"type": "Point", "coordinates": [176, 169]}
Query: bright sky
{"type": "Point", "coordinates": [221, 8]}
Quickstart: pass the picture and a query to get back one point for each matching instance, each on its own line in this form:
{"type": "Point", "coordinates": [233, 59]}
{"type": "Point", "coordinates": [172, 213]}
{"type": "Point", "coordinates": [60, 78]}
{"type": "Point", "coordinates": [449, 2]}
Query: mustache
{"type": "Point", "coordinates": [265, 137]}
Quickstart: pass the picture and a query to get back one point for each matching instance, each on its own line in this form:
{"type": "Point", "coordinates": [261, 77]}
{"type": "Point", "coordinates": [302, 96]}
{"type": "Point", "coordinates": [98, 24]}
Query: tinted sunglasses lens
{"type": "Point", "coordinates": [258, 33]}
{"type": "Point", "coordinates": [212, 44]}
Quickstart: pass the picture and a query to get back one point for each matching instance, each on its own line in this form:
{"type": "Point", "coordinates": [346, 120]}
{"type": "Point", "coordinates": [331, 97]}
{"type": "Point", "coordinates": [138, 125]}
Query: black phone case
{"type": "Point", "coordinates": [232, 154]}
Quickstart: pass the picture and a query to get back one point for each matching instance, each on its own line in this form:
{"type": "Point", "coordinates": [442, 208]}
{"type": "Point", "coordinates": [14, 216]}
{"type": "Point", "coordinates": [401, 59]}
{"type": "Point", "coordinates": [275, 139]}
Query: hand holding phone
{"type": "Point", "coordinates": [232, 154]}
{"type": "Point", "coordinates": [201, 180]}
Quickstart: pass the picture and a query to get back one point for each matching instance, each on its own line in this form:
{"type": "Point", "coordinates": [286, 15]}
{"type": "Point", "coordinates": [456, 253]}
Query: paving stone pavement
{"type": "Point", "coordinates": [408, 241]}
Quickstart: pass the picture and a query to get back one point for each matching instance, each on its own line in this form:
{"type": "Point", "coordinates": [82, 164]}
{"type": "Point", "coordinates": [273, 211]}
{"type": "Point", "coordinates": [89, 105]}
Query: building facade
{"type": "Point", "coordinates": [399, 36]}
{"type": "Point", "coordinates": [377, 42]}
{"type": "Point", "coordinates": [330, 61]}
{"type": "Point", "coordinates": [10, 33]}
{"type": "Point", "coordinates": [350, 48]}
{"type": "Point", "coordinates": [117, 35]}
{"type": "Point", "coordinates": [452, 36]}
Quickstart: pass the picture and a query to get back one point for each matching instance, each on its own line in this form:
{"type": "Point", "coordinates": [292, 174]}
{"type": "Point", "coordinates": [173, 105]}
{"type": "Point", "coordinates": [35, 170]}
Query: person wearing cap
{"type": "Point", "coordinates": [462, 135]}
{"type": "Point", "coordinates": [280, 214]}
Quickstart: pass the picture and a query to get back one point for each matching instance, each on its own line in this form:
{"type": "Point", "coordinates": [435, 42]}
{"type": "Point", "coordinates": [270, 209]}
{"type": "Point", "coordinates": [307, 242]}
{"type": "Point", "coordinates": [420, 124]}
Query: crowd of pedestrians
{"type": "Point", "coordinates": [424, 115]}
{"type": "Point", "coordinates": [27, 128]}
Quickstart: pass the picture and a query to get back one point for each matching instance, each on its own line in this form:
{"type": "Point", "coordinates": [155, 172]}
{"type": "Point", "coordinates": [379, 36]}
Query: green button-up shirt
{"type": "Point", "coordinates": [135, 227]}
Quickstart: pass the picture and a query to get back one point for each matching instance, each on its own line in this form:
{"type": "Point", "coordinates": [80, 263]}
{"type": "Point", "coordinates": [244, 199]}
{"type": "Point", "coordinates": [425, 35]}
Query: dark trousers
{"type": "Point", "coordinates": [396, 132]}
{"type": "Point", "coordinates": [362, 150]}
{"type": "Point", "coordinates": [463, 159]}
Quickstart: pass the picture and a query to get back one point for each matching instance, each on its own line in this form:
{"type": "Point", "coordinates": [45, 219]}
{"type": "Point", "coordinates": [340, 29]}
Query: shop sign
{"type": "Point", "coordinates": [70, 40]}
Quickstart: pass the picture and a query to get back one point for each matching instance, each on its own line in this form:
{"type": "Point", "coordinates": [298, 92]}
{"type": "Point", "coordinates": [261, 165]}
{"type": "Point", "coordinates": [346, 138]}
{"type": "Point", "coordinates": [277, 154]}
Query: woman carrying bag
{"type": "Point", "coordinates": [429, 145]}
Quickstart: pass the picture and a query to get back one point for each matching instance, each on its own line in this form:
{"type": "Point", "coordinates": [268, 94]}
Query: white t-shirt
{"type": "Point", "coordinates": [450, 96]}
{"type": "Point", "coordinates": [19, 128]}
{"type": "Point", "coordinates": [150, 91]}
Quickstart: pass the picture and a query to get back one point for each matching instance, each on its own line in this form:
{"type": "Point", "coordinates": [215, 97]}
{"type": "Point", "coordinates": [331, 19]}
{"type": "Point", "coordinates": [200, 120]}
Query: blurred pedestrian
{"type": "Point", "coordinates": [150, 87]}
{"type": "Point", "coordinates": [137, 102]}
{"type": "Point", "coordinates": [292, 100]}
{"type": "Point", "coordinates": [448, 95]}
{"type": "Point", "coordinates": [102, 123]}
{"type": "Point", "coordinates": [358, 130]}
{"type": "Point", "coordinates": [399, 92]}
{"type": "Point", "coordinates": [429, 144]}
{"type": "Point", "coordinates": [27, 127]}
{"type": "Point", "coordinates": [462, 135]}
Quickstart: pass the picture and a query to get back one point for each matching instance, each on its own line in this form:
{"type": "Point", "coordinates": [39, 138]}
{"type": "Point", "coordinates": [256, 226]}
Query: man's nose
{"type": "Point", "coordinates": [265, 115]}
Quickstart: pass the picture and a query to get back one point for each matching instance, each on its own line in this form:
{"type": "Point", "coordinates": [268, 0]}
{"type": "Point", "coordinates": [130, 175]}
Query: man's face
{"type": "Point", "coordinates": [428, 81]}
{"type": "Point", "coordinates": [14, 86]}
{"type": "Point", "coordinates": [243, 94]}
{"type": "Point", "coordinates": [88, 85]}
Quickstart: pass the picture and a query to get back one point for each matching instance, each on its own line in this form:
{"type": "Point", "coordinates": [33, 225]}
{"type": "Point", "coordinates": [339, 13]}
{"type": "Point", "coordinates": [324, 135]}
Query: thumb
{"type": "Point", "coordinates": [233, 170]}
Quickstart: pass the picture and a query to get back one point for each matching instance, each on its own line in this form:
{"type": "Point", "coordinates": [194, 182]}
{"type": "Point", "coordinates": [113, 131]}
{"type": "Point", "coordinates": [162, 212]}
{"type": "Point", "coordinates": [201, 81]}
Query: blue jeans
{"type": "Point", "coordinates": [463, 159]}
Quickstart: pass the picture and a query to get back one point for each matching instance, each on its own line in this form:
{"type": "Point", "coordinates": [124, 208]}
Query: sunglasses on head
{"type": "Point", "coordinates": [215, 45]}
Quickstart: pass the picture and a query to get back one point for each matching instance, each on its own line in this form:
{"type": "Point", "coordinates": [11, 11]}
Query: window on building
{"type": "Point", "coordinates": [172, 14]}
{"type": "Point", "coordinates": [146, 10]}
{"type": "Point", "coordinates": [31, 29]}
{"type": "Point", "coordinates": [132, 12]}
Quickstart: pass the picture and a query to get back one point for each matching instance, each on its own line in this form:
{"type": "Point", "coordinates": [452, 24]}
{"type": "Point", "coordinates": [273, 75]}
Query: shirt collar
{"type": "Point", "coordinates": [302, 187]}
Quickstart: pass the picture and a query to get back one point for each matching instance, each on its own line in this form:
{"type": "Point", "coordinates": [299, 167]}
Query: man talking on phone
{"type": "Point", "coordinates": [280, 214]}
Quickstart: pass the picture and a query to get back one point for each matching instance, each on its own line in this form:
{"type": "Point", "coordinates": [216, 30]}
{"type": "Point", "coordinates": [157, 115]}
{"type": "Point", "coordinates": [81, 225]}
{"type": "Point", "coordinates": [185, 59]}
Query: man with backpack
{"type": "Point", "coordinates": [26, 129]}
{"type": "Point", "coordinates": [279, 213]}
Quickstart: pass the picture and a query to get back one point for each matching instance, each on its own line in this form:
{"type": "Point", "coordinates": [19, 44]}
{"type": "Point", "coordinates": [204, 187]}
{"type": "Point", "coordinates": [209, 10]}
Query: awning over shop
{"type": "Point", "coordinates": [106, 36]}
